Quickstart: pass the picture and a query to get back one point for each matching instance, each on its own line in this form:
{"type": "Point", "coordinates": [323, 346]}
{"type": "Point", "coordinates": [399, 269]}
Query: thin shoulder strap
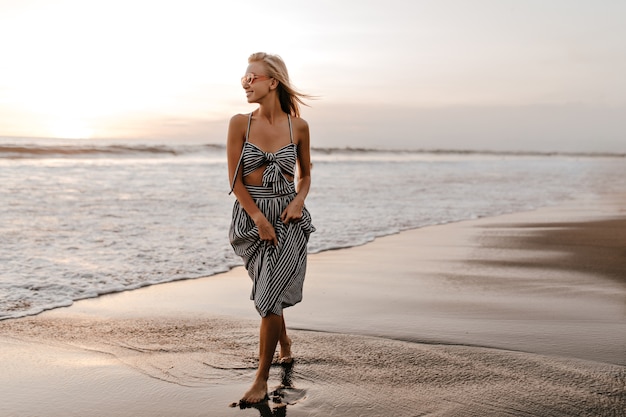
{"type": "Point", "coordinates": [290, 128]}
{"type": "Point", "coordinates": [232, 186]}
{"type": "Point", "coordinates": [248, 129]}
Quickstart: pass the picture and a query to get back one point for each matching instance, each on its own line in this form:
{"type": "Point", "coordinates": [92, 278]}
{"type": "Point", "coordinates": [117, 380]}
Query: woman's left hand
{"type": "Point", "coordinates": [293, 212]}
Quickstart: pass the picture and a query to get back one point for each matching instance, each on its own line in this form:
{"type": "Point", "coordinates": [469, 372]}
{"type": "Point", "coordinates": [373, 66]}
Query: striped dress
{"type": "Point", "coordinates": [277, 272]}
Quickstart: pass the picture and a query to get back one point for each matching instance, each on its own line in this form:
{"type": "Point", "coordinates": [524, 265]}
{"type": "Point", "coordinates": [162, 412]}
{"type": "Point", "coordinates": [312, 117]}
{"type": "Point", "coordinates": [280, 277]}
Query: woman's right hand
{"type": "Point", "coordinates": [266, 230]}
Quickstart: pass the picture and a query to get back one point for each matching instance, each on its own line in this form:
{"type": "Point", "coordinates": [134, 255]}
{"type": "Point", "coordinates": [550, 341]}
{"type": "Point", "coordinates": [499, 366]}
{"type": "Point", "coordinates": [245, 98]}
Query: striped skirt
{"type": "Point", "coordinates": [277, 272]}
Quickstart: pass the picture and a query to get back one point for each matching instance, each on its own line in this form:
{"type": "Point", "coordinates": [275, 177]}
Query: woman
{"type": "Point", "coordinates": [270, 226]}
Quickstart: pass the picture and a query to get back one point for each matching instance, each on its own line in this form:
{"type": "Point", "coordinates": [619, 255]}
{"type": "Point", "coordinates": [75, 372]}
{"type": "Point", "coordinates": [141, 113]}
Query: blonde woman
{"type": "Point", "coordinates": [270, 226]}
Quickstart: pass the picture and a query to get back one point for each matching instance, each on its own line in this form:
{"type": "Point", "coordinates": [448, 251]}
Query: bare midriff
{"type": "Point", "coordinates": [256, 177]}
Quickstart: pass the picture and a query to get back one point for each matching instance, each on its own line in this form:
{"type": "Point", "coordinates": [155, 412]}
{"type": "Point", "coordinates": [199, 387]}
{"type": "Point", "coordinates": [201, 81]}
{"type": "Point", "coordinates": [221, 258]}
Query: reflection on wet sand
{"type": "Point", "coordinates": [281, 397]}
{"type": "Point", "coordinates": [520, 314]}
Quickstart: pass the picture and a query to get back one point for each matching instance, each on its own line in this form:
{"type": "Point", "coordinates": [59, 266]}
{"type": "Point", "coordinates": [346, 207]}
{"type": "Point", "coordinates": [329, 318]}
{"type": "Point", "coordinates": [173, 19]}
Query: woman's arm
{"type": "Point", "coordinates": [294, 209]}
{"type": "Point", "coordinates": [234, 147]}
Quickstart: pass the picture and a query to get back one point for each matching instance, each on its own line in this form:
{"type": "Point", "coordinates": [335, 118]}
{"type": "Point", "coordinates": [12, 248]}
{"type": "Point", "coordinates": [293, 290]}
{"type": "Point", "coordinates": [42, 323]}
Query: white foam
{"type": "Point", "coordinates": [74, 228]}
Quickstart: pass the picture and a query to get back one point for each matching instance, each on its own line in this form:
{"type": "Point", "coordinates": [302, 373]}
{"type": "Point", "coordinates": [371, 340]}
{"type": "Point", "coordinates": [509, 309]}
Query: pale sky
{"type": "Point", "coordinates": [445, 74]}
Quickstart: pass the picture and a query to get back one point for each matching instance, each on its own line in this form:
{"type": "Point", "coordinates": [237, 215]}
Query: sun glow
{"type": "Point", "coordinates": [81, 79]}
{"type": "Point", "coordinates": [115, 69]}
{"type": "Point", "coordinates": [70, 129]}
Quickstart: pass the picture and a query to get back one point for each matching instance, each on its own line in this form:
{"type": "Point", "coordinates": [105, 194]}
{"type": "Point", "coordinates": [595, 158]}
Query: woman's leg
{"type": "Point", "coordinates": [270, 333]}
{"type": "Point", "coordinates": [285, 344]}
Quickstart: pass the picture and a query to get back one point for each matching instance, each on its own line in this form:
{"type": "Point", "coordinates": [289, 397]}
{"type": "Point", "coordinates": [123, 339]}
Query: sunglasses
{"type": "Point", "coordinates": [249, 78]}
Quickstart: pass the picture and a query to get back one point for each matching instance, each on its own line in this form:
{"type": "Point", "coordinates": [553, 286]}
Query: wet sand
{"type": "Point", "coordinates": [521, 314]}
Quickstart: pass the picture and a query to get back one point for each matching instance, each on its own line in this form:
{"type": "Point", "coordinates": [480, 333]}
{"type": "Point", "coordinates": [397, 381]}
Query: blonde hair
{"type": "Point", "coordinates": [289, 98]}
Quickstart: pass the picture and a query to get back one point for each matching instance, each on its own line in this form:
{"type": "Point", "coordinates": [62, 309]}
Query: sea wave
{"type": "Point", "coordinates": [77, 226]}
{"type": "Point", "coordinates": [464, 152]}
{"type": "Point", "coordinates": [93, 150]}
{"type": "Point", "coordinates": [84, 149]}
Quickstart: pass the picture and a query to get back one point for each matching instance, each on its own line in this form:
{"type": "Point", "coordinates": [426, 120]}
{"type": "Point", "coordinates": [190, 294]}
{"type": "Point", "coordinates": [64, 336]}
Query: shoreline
{"type": "Point", "coordinates": [201, 277]}
{"type": "Point", "coordinates": [521, 311]}
{"type": "Point", "coordinates": [142, 286]}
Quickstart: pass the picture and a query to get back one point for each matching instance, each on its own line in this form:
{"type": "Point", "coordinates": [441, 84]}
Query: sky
{"type": "Point", "coordinates": [543, 75]}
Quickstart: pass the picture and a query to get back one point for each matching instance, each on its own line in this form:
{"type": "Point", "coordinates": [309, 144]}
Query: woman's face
{"type": "Point", "coordinates": [257, 88]}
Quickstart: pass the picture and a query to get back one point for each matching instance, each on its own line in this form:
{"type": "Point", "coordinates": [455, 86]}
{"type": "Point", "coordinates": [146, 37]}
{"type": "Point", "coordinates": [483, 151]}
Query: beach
{"type": "Point", "coordinates": [462, 163]}
{"type": "Point", "coordinates": [516, 314]}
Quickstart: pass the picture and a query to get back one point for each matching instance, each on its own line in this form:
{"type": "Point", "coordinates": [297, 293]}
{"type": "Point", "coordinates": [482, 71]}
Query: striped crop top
{"type": "Point", "coordinates": [277, 164]}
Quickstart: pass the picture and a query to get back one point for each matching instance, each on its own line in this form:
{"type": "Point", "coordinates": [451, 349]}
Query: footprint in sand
{"type": "Point", "coordinates": [282, 396]}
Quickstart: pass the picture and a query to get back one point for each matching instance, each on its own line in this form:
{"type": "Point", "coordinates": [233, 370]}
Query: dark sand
{"type": "Point", "coordinates": [521, 314]}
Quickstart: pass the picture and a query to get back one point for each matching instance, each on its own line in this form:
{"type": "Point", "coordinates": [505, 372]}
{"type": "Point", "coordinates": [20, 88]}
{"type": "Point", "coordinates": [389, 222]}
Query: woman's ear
{"type": "Point", "coordinates": [274, 84]}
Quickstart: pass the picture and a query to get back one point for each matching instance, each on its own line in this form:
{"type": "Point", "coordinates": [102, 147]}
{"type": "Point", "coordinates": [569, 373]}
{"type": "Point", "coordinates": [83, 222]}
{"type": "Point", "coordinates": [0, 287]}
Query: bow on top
{"type": "Point", "coordinates": [273, 175]}
{"type": "Point", "coordinates": [277, 164]}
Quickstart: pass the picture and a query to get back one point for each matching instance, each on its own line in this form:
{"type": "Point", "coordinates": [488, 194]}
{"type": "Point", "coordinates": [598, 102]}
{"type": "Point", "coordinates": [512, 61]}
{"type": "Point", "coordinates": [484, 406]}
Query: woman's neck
{"type": "Point", "coordinates": [270, 111]}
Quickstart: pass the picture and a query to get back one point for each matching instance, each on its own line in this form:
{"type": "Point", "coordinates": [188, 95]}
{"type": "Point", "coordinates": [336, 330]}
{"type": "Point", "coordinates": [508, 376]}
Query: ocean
{"type": "Point", "coordinates": [79, 219]}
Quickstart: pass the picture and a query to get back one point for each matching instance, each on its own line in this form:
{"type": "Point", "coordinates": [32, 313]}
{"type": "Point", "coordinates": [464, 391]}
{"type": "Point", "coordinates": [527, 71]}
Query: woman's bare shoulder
{"type": "Point", "coordinates": [301, 132]}
{"type": "Point", "coordinates": [237, 129]}
{"type": "Point", "coordinates": [238, 125]}
{"type": "Point", "coordinates": [300, 124]}
{"type": "Point", "coordinates": [239, 119]}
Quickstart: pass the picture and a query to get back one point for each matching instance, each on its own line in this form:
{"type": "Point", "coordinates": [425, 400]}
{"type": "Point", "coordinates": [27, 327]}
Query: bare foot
{"type": "Point", "coordinates": [256, 393]}
{"type": "Point", "coordinates": [285, 352]}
